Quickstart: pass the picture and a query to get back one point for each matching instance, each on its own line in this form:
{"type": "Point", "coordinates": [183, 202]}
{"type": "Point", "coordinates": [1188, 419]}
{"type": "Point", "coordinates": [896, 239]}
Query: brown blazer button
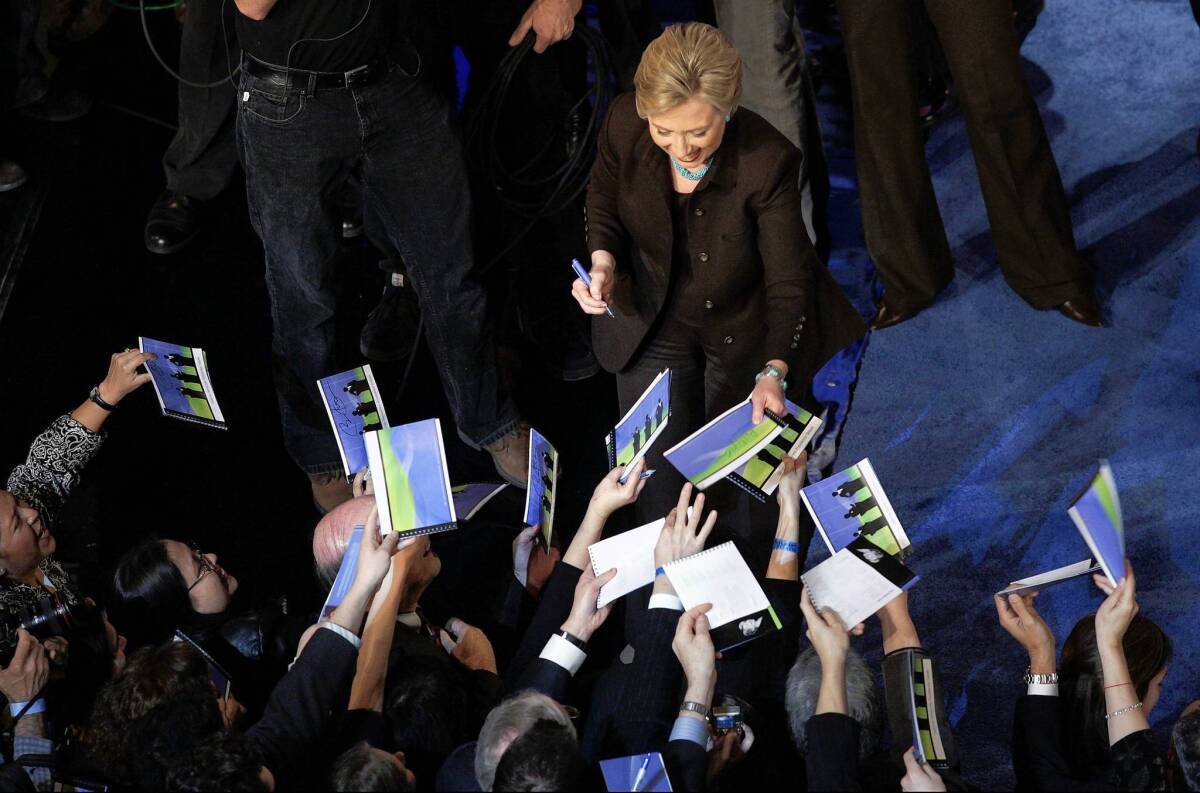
{"type": "Point", "coordinates": [708, 304]}
{"type": "Point", "coordinates": [702, 256]}
{"type": "Point", "coordinates": [698, 212]}
{"type": "Point", "coordinates": [729, 340]}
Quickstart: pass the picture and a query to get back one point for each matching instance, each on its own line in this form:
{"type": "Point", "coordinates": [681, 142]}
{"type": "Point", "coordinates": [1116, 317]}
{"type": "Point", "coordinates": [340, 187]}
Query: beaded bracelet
{"type": "Point", "coordinates": [1122, 711]}
{"type": "Point", "coordinates": [786, 545]}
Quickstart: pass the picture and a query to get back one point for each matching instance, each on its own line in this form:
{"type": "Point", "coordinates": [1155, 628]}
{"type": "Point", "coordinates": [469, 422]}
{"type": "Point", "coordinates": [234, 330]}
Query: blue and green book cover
{"type": "Point", "coordinates": [354, 408]}
{"type": "Point", "coordinates": [852, 504]}
{"type": "Point", "coordinates": [412, 484]}
{"type": "Point", "coordinates": [642, 424]}
{"type": "Point", "coordinates": [543, 482]}
{"type": "Point", "coordinates": [760, 474]}
{"type": "Point", "coordinates": [723, 445]}
{"type": "Point", "coordinates": [182, 383]}
{"type": "Point", "coordinates": [1097, 514]}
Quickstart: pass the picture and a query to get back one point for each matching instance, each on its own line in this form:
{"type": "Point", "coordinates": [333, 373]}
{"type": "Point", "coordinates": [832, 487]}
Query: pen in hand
{"type": "Point", "coordinates": [587, 280]}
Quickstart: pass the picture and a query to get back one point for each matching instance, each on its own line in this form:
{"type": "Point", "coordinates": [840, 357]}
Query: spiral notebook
{"type": "Point", "coordinates": [642, 424]}
{"type": "Point", "coordinates": [720, 576]}
{"type": "Point", "coordinates": [353, 405]}
{"type": "Point", "coordinates": [723, 445]}
{"type": "Point", "coordinates": [543, 482]}
{"type": "Point", "coordinates": [412, 486]}
{"type": "Point", "coordinates": [631, 553]}
{"type": "Point", "coordinates": [852, 504]}
{"type": "Point", "coordinates": [759, 476]}
{"type": "Point", "coordinates": [182, 383]}
{"type": "Point", "coordinates": [857, 581]}
{"type": "Point", "coordinates": [1097, 514]}
{"type": "Point", "coordinates": [470, 498]}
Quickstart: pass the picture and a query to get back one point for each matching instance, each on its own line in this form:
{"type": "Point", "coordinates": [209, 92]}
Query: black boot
{"type": "Point", "coordinates": [174, 221]}
{"type": "Point", "coordinates": [391, 327]}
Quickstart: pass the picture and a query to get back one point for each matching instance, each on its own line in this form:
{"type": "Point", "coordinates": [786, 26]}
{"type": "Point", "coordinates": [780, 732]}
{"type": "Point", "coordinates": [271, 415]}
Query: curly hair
{"type": "Point", "coordinates": [219, 762]}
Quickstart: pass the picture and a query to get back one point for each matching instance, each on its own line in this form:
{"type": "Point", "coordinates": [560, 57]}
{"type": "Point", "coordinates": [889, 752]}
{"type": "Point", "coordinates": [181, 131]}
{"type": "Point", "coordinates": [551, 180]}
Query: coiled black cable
{"type": "Point", "coordinates": [525, 189]}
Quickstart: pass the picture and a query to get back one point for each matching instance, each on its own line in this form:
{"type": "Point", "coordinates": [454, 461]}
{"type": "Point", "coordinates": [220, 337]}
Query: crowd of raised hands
{"type": "Point", "coordinates": [160, 683]}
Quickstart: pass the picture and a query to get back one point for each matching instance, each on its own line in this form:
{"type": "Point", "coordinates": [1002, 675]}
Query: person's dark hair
{"type": "Point", "coordinates": [149, 595]}
{"type": "Point", "coordinates": [545, 757]}
{"type": "Point", "coordinates": [427, 709]}
{"type": "Point", "coordinates": [168, 732]}
{"type": "Point", "coordinates": [219, 762]}
{"type": "Point", "coordinates": [151, 676]}
{"type": "Point", "coordinates": [1185, 749]}
{"type": "Point", "coordinates": [361, 768]}
{"type": "Point", "coordinates": [1081, 685]}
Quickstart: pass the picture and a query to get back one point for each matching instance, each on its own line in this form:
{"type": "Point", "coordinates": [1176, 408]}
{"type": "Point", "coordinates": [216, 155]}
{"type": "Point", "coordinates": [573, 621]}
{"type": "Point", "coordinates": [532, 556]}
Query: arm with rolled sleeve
{"type": "Point", "coordinates": [788, 258]}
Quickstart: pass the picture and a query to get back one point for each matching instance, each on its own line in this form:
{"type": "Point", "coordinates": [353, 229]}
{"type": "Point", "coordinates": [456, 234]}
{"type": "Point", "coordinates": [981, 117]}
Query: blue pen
{"type": "Point", "coordinates": [649, 472]}
{"type": "Point", "coordinates": [587, 280]}
{"type": "Point", "coordinates": [641, 774]}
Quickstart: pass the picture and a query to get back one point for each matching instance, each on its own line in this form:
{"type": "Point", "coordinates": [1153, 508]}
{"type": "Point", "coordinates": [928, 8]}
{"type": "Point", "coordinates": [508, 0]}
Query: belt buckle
{"type": "Point", "coordinates": [357, 75]}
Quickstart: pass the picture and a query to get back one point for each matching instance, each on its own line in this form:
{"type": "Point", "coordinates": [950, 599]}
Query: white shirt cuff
{"type": "Point", "coordinates": [560, 651]}
{"type": "Point", "coordinates": [1043, 689]}
{"type": "Point", "coordinates": [345, 634]}
{"type": "Point", "coordinates": [664, 601]}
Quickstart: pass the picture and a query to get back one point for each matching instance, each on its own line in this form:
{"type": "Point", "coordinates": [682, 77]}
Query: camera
{"type": "Point", "coordinates": [45, 618]}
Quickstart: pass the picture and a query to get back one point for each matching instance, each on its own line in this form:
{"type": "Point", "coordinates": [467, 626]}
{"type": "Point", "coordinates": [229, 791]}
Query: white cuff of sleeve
{"type": "Point", "coordinates": [345, 634]}
{"type": "Point", "coordinates": [1043, 689]}
{"type": "Point", "coordinates": [38, 706]}
{"type": "Point", "coordinates": [560, 651]}
{"type": "Point", "coordinates": [664, 601]}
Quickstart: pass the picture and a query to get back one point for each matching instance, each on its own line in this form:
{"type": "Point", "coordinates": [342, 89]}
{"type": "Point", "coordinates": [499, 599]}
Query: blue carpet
{"type": "Point", "coordinates": [984, 417]}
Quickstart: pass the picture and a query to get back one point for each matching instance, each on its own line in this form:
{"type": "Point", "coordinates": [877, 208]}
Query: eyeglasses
{"type": "Point", "coordinates": [206, 566]}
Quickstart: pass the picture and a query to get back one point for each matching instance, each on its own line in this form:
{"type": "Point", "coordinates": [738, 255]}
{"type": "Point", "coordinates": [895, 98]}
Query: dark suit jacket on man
{"type": "Point", "coordinates": [764, 288]}
{"type": "Point", "coordinates": [527, 670]}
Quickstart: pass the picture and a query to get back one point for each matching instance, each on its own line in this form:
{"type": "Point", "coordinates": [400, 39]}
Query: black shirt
{"type": "Point", "coordinates": [289, 21]}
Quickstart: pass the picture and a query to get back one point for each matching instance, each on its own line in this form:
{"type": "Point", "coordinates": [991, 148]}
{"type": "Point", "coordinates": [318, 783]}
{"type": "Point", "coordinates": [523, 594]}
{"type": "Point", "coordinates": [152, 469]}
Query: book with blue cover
{"type": "Point", "coordinates": [1097, 514]}
{"type": "Point", "coordinates": [412, 484]}
{"type": "Point", "coordinates": [354, 407]}
{"type": "Point", "coordinates": [470, 498]}
{"type": "Point", "coordinates": [636, 773]}
{"type": "Point", "coordinates": [852, 504]}
{"type": "Point", "coordinates": [759, 476]}
{"type": "Point", "coordinates": [927, 725]}
{"type": "Point", "coordinates": [543, 482]}
{"type": "Point", "coordinates": [347, 570]}
{"type": "Point", "coordinates": [723, 445]}
{"type": "Point", "coordinates": [182, 383]}
{"type": "Point", "coordinates": [642, 424]}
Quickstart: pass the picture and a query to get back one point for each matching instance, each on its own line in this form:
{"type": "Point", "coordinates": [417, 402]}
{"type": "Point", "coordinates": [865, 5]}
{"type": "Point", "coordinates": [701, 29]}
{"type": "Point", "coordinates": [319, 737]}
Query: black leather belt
{"type": "Point", "coordinates": [315, 81]}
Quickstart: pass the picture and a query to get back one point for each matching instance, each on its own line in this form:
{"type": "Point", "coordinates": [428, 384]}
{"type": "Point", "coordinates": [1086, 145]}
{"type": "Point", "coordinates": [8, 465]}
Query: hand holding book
{"type": "Point", "coordinates": [1021, 620]}
{"type": "Point", "coordinates": [585, 618]}
{"type": "Point", "coordinates": [693, 646]}
{"type": "Point", "coordinates": [683, 534]}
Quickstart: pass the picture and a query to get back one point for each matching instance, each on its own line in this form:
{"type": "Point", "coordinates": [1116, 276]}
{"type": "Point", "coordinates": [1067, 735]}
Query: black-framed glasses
{"type": "Point", "coordinates": [206, 566]}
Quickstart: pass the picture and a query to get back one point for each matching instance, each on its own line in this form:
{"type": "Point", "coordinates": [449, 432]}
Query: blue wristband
{"type": "Point", "coordinates": [786, 545]}
{"type": "Point", "coordinates": [659, 571]}
{"type": "Point", "coordinates": [38, 706]}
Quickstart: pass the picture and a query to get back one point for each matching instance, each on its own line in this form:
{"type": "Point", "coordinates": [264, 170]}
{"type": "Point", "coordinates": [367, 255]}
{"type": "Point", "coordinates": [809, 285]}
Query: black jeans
{"type": "Point", "coordinates": [201, 159]}
{"type": "Point", "coordinates": [297, 148]}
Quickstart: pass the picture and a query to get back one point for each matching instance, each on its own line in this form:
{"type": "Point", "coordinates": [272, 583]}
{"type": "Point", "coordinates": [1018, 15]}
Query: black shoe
{"type": "Point", "coordinates": [12, 175]}
{"type": "Point", "coordinates": [886, 316]}
{"type": "Point", "coordinates": [1084, 310]}
{"type": "Point", "coordinates": [391, 327]}
{"type": "Point", "coordinates": [174, 221]}
{"type": "Point", "coordinates": [59, 106]}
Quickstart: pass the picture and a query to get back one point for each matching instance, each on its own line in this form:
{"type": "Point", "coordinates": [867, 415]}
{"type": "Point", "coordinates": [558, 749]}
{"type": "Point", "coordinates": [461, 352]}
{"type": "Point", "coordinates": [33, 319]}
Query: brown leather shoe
{"type": "Point", "coordinates": [510, 455]}
{"type": "Point", "coordinates": [1084, 310]}
{"type": "Point", "coordinates": [329, 490]}
{"type": "Point", "coordinates": [886, 316]}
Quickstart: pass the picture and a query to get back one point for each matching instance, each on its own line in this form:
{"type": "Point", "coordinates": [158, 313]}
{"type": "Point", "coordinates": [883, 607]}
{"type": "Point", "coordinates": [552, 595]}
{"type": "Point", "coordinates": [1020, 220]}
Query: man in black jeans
{"type": "Point", "coordinates": [200, 162]}
{"type": "Point", "coordinates": [319, 98]}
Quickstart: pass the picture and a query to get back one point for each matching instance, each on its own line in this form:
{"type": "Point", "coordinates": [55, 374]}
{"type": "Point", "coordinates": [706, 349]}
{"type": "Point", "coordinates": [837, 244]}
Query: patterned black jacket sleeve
{"type": "Point", "coordinates": [54, 465]}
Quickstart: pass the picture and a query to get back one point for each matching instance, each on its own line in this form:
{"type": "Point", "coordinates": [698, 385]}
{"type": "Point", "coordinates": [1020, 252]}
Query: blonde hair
{"type": "Point", "coordinates": [689, 60]}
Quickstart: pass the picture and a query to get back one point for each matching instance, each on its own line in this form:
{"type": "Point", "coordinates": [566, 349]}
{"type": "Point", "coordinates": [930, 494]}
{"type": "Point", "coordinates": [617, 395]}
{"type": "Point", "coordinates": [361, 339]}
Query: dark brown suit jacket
{"type": "Point", "coordinates": [766, 293]}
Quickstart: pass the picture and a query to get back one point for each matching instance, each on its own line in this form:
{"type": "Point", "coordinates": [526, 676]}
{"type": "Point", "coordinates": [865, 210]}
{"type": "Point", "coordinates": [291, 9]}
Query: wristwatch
{"type": "Point", "coordinates": [695, 707]}
{"type": "Point", "coordinates": [573, 639]}
{"type": "Point", "coordinates": [95, 397]}
{"type": "Point", "coordinates": [771, 370]}
{"type": "Point", "coordinates": [1040, 680]}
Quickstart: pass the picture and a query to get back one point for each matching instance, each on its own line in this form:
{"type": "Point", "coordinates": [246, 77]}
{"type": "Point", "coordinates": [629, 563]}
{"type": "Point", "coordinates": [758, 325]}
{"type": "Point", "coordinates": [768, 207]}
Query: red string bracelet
{"type": "Point", "coordinates": [1116, 685]}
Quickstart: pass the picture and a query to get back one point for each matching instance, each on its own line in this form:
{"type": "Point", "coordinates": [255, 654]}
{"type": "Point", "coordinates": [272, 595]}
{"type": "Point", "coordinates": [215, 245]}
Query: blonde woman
{"type": "Point", "coordinates": [698, 247]}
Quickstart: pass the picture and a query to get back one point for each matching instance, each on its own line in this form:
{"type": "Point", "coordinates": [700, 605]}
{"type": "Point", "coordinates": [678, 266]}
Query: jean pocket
{"type": "Point", "coordinates": [272, 108]}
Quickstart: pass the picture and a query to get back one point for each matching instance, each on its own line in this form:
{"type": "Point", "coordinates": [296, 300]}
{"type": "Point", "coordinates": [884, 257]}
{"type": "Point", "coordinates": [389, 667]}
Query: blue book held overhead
{"type": "Point", "coordinates": [543, 482]}
{"type": "Point", "coordinates": [852, 504]}
{"type": "Point", "coordinates": [760, 475]}
{"type": "Point", "coordinates": [412, 485]}
{"type": "Point", "coordinates": [642, 424]}
{"type": "Point", "coordinates": [182, 383]}
{"type": "Point", "coordinates": [723, 445]}
{"type": "Point", "coordinates": [347, 570]}
{"type": "Point", "coordinates": [1097, 514]}
{"type": "Point", "coordinates": [638, 772]}
{"type": "Point", "coordinates": [353, 405]}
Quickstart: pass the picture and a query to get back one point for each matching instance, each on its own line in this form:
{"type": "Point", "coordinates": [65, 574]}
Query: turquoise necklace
{"type": "Point", "coordinates": [691, 176]}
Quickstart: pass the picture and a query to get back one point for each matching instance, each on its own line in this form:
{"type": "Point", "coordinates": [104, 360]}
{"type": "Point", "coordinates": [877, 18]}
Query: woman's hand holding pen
{"type": "Point", "coordinates": [594, 298]}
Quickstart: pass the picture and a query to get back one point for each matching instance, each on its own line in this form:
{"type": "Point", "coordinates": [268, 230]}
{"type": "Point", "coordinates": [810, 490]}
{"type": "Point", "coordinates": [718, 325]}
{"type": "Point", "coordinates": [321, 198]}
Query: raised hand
{"type": "Point", "coordinates": [683, 534]}
{"type": "Point", "coordinates": [611, 493]}
{"type": "Point", "coordinates": [123, 378]}
{"type": "Point", "coordinates": [585, 618]}
{"type": "Point", "coordinates": [1022, 621]}
{"type": "Point", "coordinates": [469, 645]}
{"type": "Point", "coordinates": [1117, 611]}
{"type": "Point", "coordinates": [694, 648]}
{"type": "Point", "coordinates": [919, 776]}
{"type": "Point", "coordinates": [552, 20]}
